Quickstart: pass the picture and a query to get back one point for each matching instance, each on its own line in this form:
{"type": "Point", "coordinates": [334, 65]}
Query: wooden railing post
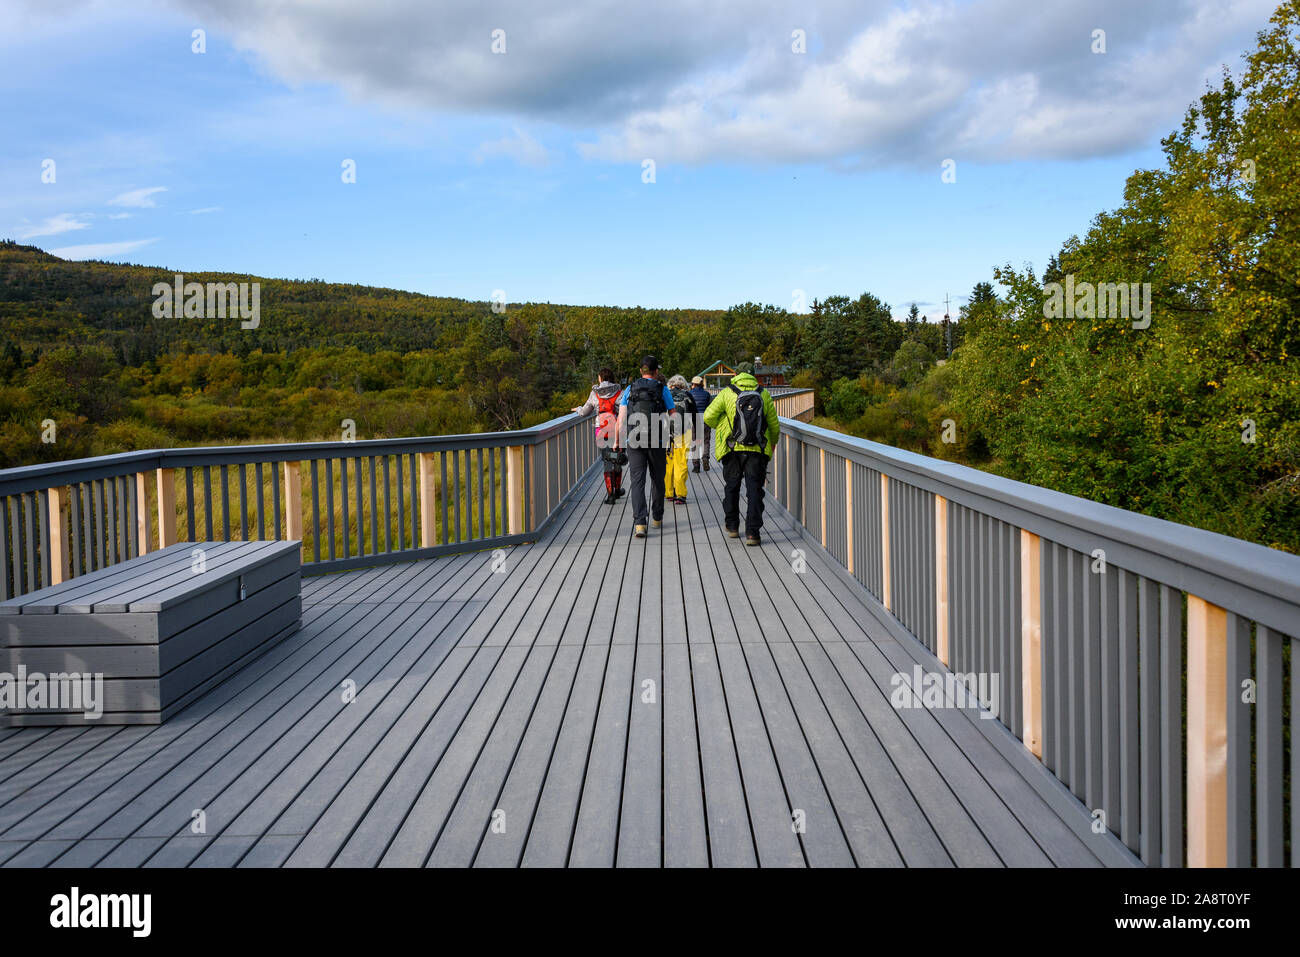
{"type": "Point", "coordinates": [803, 483]}
{"type": "Point", "coordinates": [166, 482]}
{"type": "Point", "coordinates": [941, 577]}
{"type": "Point", "coordinates": [776, 474]}
{"type": "Point", "coordinates": [1031, 642]}
{"type": "Point", "coordinates": [886, 580]}
{"type": "Point", "coordinates": [141, 513]}
{"type": "Point", "coordinates": [428, 499]}
{"type": "Point", "coordinates": [293, 502]}
{"type": "Point", "coordinates": [1207, 734]}
{"type": "Point", "coordinates": [60, 570]}
{"type": "Point", "coordinates": [848, 510]}
{"type": "Point", "coordinates": [821, 474]}
{"type": "Point", "coordinates": [788, 443]}
{"type": "Point", "coordinates": [515, 489]}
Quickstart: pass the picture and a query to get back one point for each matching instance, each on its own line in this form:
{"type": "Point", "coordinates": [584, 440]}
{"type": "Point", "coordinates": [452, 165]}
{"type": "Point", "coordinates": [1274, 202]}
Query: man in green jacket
{"type": "Point", "coordinates": [745, 429]}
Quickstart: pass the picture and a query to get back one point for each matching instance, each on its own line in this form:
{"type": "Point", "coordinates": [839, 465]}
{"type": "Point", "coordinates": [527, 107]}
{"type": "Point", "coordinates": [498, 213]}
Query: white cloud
{"type": "Point", "coordinates": [881, 83]}
{"type": "Point", "coordinates": [205, 209]}
{"type": "Point", "coordinates": [100, 250]}
{"type": "Point", "coordinates": [521, 148]}
{"type": "Point", "coordinates": [974, 81]}
{"type": "Point", "coordinates": [141, 198]}
{"type": "Point", "coordinates": [52, 226]}
{"type": "Point", "coordinates": [119, 215]}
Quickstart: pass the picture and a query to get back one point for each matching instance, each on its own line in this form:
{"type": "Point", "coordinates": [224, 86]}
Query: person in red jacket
{"type": "Point", "coordinates": [603, 400]}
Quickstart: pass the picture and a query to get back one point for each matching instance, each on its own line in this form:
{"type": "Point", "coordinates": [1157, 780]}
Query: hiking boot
{"type": "Point", "coordinates": [610, 499]}
{"type": "Point", "coordinates": [753, 539]}
{"type": "Point", "coordinates": [706, 466]}
{"type": "Point", "coordinates": [620, 493]}
{"type": "Point", "coordinates": [697, 467]}
{"type": "Point", "coordinates": [680, 500]}
{"type": "Point", "coordinates": [657, 522]}
{"type": "Point", "coordinates": [639, 531]}
{"type": "Point", "coordinates": [733, 533]}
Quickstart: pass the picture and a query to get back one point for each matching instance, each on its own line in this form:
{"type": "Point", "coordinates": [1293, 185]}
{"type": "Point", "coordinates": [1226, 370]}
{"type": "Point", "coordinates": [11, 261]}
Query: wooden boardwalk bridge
{"type": "Point", "coordinates": [547, 690]}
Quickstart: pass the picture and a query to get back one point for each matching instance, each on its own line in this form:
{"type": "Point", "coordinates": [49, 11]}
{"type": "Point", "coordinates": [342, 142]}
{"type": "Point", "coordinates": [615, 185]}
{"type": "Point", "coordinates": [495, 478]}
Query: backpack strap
{"type": "Point", "coordinates": [731, 437]}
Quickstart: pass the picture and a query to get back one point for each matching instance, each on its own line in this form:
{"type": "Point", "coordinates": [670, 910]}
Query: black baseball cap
{"type": "Point", "coordinates": [651, 363]}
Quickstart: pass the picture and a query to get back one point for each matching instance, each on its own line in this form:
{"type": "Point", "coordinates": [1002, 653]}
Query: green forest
{"type": "Point", "coordinates": [1194, 417]}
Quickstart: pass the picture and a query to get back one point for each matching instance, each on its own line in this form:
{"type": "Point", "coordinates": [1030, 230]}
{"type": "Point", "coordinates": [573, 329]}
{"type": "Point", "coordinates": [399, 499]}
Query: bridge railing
{"type": "Point", "coordinates": [794, 403]}
{"type": "Point", "coordinates": [352, 504]}
{"type": "Point", "coordinates": [1149, 665]}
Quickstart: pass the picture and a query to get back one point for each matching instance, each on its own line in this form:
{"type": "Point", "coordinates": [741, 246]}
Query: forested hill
{"type": "Point", "coordinates": [47, 302]}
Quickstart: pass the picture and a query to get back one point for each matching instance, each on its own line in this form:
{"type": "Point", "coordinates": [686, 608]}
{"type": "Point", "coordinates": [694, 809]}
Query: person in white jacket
{"type": "Point", "coordinates": [603, 400]}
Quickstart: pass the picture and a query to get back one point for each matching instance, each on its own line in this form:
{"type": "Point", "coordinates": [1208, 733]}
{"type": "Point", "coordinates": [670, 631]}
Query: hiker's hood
{"type": "Point", "coordinates": [607, 389]}
{"type": "Point", "coordinates": [744, 381]}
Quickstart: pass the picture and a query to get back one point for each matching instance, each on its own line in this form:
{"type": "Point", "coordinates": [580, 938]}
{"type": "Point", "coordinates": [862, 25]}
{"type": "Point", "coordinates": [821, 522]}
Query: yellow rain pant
{"type": "Point", "coordinates": [675, 474]}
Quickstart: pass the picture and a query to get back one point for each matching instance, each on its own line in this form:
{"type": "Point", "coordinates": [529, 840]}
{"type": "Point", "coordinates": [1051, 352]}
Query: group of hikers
{"type": "Point", "coordinates": [661, 427]}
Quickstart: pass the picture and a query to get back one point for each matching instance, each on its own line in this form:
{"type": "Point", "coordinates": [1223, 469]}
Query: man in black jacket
{"type": "Point", "coordinates": [641, 430]}
{"type": "Point", "coordinates": [703, 434]}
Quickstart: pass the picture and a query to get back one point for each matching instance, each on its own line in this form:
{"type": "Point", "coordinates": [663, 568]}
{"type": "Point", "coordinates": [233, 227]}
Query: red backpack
{"type": "Point", "coordinates": [606, 419]}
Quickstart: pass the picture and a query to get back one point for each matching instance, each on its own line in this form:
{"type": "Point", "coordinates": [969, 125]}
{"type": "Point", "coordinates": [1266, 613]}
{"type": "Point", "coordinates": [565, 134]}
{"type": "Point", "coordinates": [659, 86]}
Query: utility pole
{"type": "Point", "coordinates": [947, 326]}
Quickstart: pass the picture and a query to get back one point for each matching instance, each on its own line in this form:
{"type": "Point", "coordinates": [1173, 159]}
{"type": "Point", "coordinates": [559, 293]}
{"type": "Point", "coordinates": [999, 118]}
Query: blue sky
{"type": "Point", "coordinates": [776, 171]}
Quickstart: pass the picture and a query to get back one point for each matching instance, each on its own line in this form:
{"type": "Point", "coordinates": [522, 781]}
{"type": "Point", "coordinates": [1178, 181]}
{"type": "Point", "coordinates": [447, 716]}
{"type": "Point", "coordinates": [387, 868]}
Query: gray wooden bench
{"type": "Point", "coordinates": [151, 634]}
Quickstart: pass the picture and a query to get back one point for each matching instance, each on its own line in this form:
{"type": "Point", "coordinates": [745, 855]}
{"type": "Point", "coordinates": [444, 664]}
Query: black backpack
{"type": "Point", "coordinates": [748, 426]}
{"type": "Point", "coordinates": [646, 396]}
{"type": "Point", "coordinates": [684, 404]}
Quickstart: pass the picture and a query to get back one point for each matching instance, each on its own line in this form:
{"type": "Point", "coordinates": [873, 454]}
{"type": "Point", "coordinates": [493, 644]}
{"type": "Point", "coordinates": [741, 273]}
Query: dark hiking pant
{"type": "Point", "coordinates": [752, 468]}
{"type": "Point", "coordinates": [707, 444]}
{"type": "Point", "coordinates": [638, 462]}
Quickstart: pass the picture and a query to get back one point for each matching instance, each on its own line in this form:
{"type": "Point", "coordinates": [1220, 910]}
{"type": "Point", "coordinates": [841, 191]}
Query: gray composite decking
{"type": "Point", "coordinates": [501, 717]}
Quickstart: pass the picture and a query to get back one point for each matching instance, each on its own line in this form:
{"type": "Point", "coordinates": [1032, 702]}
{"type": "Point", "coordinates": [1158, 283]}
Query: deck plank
{"type": "Point", "coordinates": [769, 807]}
{"type": "Point", "coordinates": [374, 836]}
{"type": "Point", "coordinates": [552, 834]}
{"type": "Point", "coordinates": [480, 815]}
{"type": "Point", "coordinates": [731, 839]}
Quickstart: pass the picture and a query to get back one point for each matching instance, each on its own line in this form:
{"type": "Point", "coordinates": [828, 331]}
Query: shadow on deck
{"type": "Point", "coordinates": [590, 699]}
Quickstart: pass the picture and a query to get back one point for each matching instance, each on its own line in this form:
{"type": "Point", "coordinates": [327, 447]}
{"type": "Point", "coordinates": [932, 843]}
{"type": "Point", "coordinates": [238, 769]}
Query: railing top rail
{"type": "Point", "coordinates": [774, 389]}
{"type": "Point", "coordinates": [29, 478]}
{"type": "Point", "coordinates": [1173, 554]}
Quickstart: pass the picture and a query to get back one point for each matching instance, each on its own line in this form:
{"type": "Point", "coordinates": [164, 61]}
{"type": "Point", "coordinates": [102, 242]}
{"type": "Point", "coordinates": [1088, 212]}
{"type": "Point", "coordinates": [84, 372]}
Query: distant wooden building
{"type": "Point", "coordinates": [718, 375]}
{"type": "Point", "coordinates": [769, 376]}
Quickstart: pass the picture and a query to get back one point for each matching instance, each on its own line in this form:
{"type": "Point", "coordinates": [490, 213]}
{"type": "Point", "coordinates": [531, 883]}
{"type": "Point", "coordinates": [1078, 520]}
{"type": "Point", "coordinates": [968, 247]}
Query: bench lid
{"type": "Point", "coordinates": [150, 582]}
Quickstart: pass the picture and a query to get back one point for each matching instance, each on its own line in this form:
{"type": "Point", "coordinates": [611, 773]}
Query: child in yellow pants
{"type": "Point", "coordinates": [675, 474]}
